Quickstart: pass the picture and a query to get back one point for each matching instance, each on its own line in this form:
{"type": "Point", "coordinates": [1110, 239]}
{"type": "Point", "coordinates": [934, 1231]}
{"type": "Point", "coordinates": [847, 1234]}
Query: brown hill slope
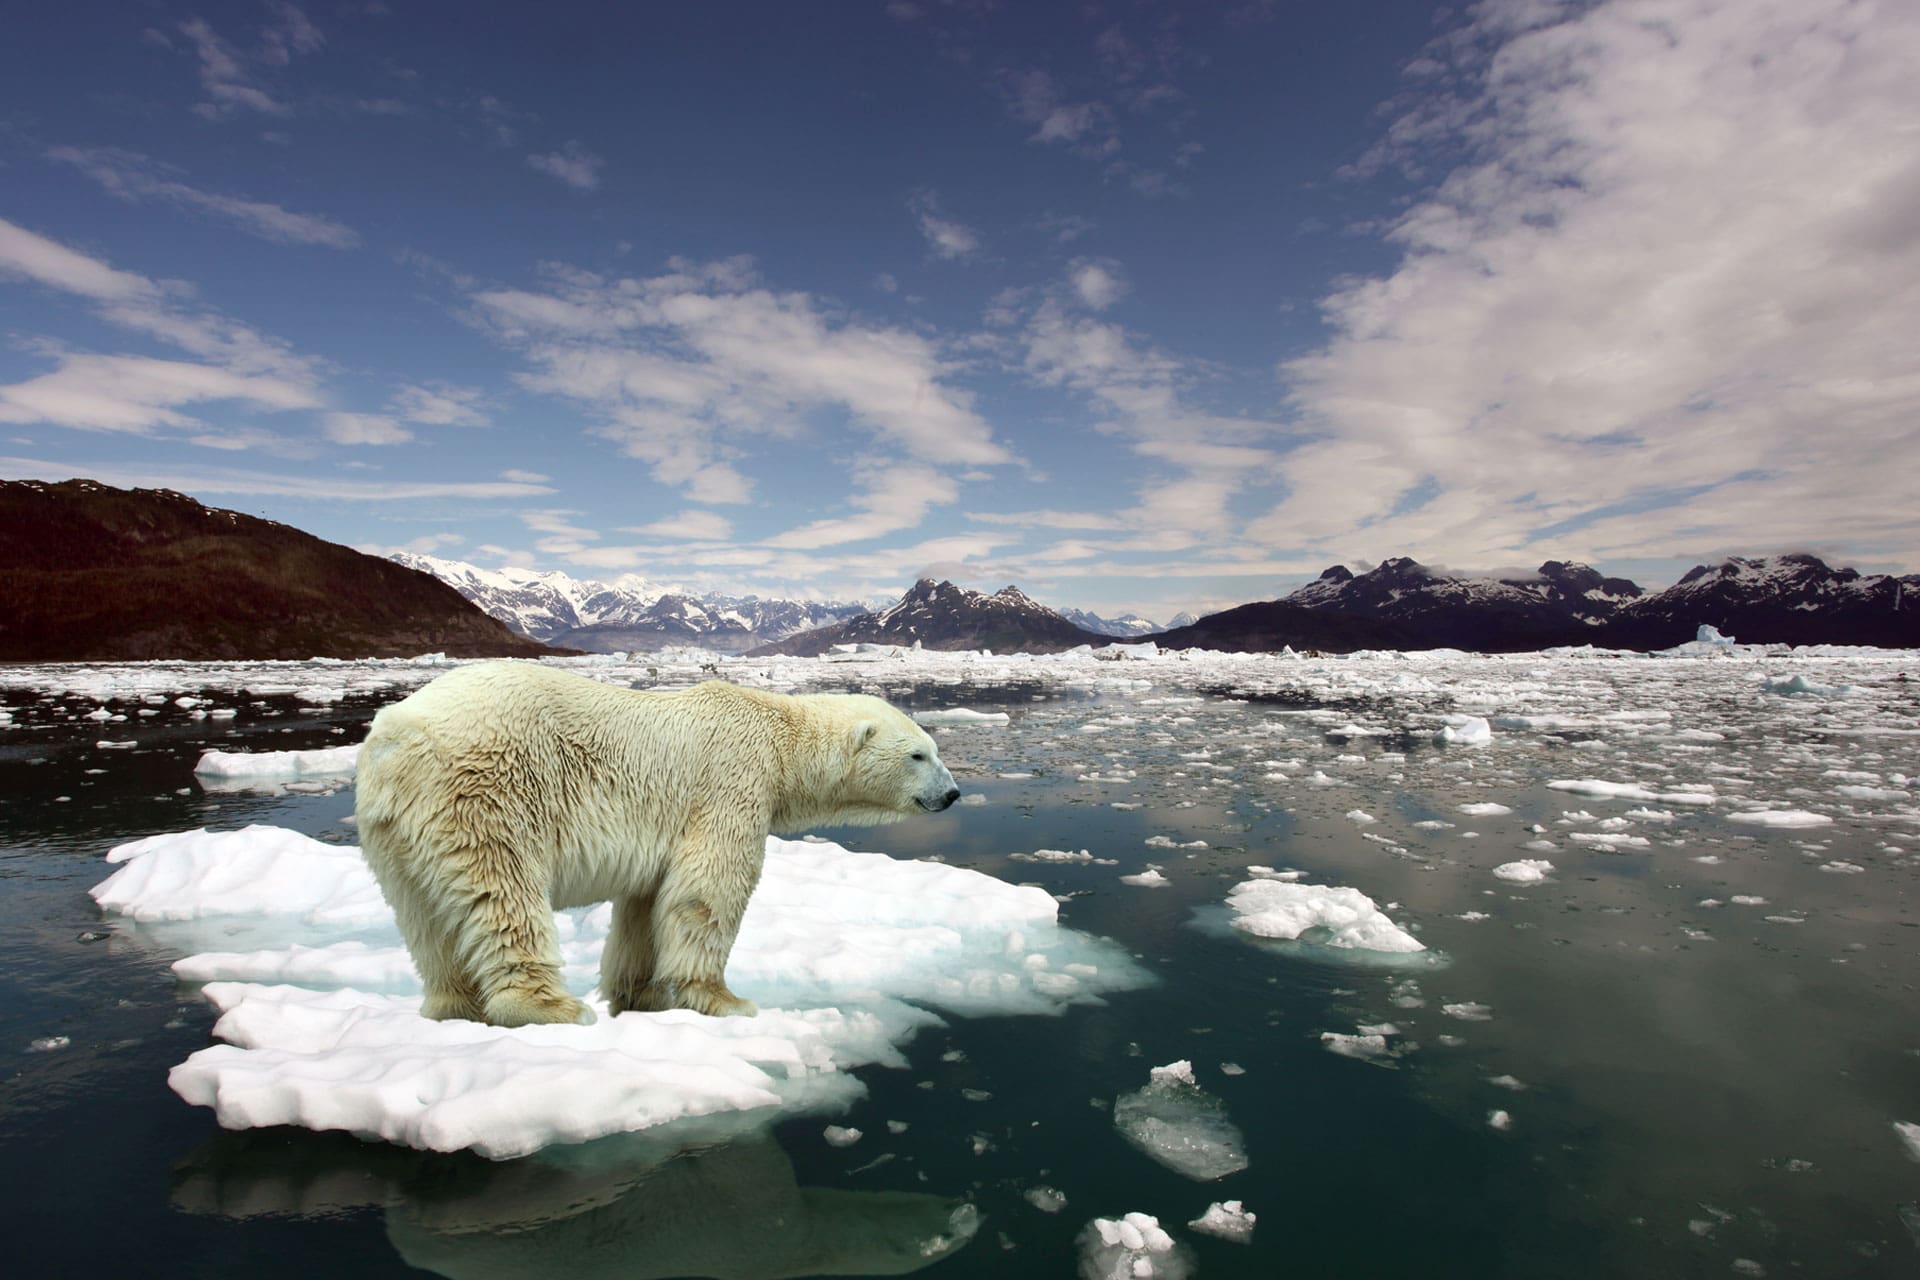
{"type": "Point", "coordinates": [93, 573]}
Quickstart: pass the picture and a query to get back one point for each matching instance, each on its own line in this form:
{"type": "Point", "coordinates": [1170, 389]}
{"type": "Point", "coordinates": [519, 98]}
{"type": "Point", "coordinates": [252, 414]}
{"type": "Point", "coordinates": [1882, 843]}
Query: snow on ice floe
{"type": "Point", "coordinates": [1330, 916]}
{"type": "Point", "coordinates": [272, 771]}
{"type": "Point", "coordinates": [1464, 731]}
{"type": "Point", "coordinates": [1182, 1126]}
{"type": "Point", "coordinates": [962, 716]}
{"type": "Point", "coordinates": [1131, 1247]}
{"type": "Point", "coordinates": [322, 1027]}
{"type": "Point", "coordinates": [1227, 1219]}
{"type": "Point", "coordinates": [1632, 791]}
{"type": "Point", "coordinates": [1780, 818]}
{"type": "Point", "coordinates": [1524, 871]}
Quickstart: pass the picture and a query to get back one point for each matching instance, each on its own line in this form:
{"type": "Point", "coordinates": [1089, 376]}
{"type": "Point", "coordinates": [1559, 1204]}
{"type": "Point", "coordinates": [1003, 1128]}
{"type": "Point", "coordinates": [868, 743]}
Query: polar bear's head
{"type": "Point", "coordinates": [893, 767]}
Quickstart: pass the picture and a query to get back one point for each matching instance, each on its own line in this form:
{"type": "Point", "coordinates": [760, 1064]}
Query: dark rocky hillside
{"type": "Point", "coordinates": [93, 573]}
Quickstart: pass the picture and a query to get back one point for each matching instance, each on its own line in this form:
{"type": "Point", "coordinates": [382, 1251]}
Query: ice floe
{"type": "Point", "coordinates": [322, 1027]}
{"type": "Point", "coordinates": [1331, 916]}
{"type": "Point", "coordinates": [1227, 1219]}
{"type": "Point", "coordinates": [1131, 1247]}
{"type": "Point", "coordinates": [1176, 1122]}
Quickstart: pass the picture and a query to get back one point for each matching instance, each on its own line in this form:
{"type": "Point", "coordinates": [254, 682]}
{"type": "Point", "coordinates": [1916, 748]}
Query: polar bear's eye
{"type": "Point", "coordinates": [919, 755]}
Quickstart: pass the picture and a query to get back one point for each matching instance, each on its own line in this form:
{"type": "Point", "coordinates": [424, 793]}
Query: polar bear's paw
{"type": "Point", "coordinates": [521, 1008]}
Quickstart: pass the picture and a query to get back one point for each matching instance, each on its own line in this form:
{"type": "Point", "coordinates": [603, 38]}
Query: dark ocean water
{"type": "Point", "coordinates": [1701, 1091]}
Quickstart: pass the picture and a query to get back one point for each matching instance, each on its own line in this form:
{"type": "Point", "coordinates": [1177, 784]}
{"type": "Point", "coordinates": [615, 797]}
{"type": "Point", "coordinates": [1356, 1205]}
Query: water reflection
{"type": "Point", "coordinates": [634, 1206]}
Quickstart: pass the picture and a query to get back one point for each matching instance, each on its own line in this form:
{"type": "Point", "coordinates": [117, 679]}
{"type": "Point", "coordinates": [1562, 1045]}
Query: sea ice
{"type": "Point", "coordinates": [1148, 879]}
{"type": "Point", "coordinates": [1331, 916]}
{"type": "Point", "coordinates": [1464, 731]}
{"type": "Point", "coordinates": [961, 716]}
{"type": "Point", "coordinates": [1045, 1199]}
{"type": "Point", "coordinates": [1525, 871]}
{"type": "Point", "coordinates": [1179, 1124]}
{"type": "Point", "coordinates": [278, 765]}
{"type": "Point", "coordinates": [1484, 809]}
{"type": "Point", "coordinates": [1134, 1247]}
{"type": "Point", "coordinates": [840, 1136]}
{"type": "Point", "coordinates": [1226, 1219]}
{"type": "Point", "coordinates": [1909, 1137]}
{"type": "Point", "coordinates": [1780, 818]}
{"type": "Point", "coordinates": [833, 945]}
{"type": "Point", "coordinates": [1631, 791]}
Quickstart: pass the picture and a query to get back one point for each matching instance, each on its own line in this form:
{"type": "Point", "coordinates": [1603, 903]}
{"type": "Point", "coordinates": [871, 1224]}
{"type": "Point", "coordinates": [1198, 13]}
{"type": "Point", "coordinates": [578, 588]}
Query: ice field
{"type": "Point", "coordinates": [1573, 963]}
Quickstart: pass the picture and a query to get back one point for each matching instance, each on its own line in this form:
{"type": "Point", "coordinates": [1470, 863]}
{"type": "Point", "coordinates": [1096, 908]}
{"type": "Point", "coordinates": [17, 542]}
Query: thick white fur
{"type": "Point", "coordinates": [502, 790]}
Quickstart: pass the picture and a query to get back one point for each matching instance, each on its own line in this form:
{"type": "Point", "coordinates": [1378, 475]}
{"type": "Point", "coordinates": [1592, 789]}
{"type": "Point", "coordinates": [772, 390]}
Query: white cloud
{"type": "Point", "coordinates": [572, 164]}
{"type": "Point", "coordinates": [44, 261]}
{"type": "Point", "coordinates": [1661, 303]}
{"type": "Point", "coordinates": [1048, 519]}
{"type": "Point", "coordinates": [698, 526]}
{"type": "Point", "coordinates": [133, 177]}
{"type": "Point", "coordinates": [1099, 284]}
{"type": "Point", "coordinates": [683, 368]}
{"type": "Point", "coordinates": [947, 238]}
{"type": "Point", "coordinates": [138, 394]}
{"type": "Point", "coordinates": [365, 428]}
{"type": "Point", "coordinates": [891, 498]}
{"type": "Point", "coordinates": [524, 477]}
{"type": "Point", "coordinates": [441, 405]}
{"type": "Point", "coordinates": [230, 76]}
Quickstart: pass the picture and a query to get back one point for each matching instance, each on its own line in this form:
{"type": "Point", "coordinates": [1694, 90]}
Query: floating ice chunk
{"type": "Point", "coordinates": [277, 765]}
{"type": "Point", "coordinates": [1484, 809]}
{"type": "Point", "coordinates": [1854, 791]}
{"type": "Point", "coordinates": [1840, 868]}
{"type": "Point", "coordinates": [1909, 1137]}
{"type": "Point", "coordinates": [1360, 817]}
{"type": "Point", "coordinates": [1148, 879]}
{"type": "Point", "coordinates": [258, 871]}
{"type": "Point", "coordinates": [1131, 1248]}
{"type": "Point", "coordinates": [1182, 1126]}
{"type": "Point", "coordinates": [1046, 1199]}
{"type": "Point", "coordinates": [1792, 685]}
{"type": "Point", "coordinates": [1499, 1120]}
{"type": "Point", "coordinates": [1363, 1045]}
{"type": "Point", "coordinates": [962, 716]}
{"type": "Point", "coordinates": [1181, 1071]}
{"type": "Point", "coordinates": [1609, 840]}
{"type": "Point", "coordinates": [1630, 791]}
{"type": "Point", "coordinates": [1780, 818]}
{"type": "Point", "coordinates": [1468, 1011]}
{"type": "Point", "coordinates": [1062, 855]}
{"type": "Point", "coordinates": [1226, 1219]}
{"type": "Point", "coordinates": [1525, 871]}
{"type": "Point", "coordinates": [1464, 731]}
{"type": "Point", "coordinates": [49, 1044]}
{"type": "Point", "coordinates": [1328, 915]}
{"type": "Point", "coordinates": [840, 1136]}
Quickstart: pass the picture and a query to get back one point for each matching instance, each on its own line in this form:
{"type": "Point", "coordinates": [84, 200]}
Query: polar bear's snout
{"type": "Point", "coordinates": [939, 793]}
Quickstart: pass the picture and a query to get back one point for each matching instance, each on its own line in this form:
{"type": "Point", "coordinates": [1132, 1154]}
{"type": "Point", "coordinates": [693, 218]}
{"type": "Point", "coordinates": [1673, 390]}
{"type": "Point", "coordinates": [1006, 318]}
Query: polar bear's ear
{"type": "Point", "coordinates": [863, 733]}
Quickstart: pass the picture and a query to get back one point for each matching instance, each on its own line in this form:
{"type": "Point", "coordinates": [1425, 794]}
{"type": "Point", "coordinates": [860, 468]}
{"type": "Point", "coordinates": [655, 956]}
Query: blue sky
{"type": "Point", "coordinates": [1142, 306]}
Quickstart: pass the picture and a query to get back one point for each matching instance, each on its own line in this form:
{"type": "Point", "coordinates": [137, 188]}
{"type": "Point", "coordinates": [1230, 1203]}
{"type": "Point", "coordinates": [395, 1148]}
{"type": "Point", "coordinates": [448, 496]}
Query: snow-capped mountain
{"type": "Point", "coordinates": [1404, 589]}
{"type": "Point", "coordinates": [1127, 626]}
{"type": "Point", "coordinates": [1789, 599]}
{"type": "Point", "coordinates": [628, 613]}
{"type": "Point", "coordinates": [940, 615]}
{"type": "Point", "coordinates": [1443, 610]}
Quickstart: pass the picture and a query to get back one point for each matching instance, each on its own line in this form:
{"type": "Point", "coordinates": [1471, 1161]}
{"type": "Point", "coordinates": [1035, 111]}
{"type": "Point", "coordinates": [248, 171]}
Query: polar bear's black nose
{"type": "Point", "coordinates": [946, 801]}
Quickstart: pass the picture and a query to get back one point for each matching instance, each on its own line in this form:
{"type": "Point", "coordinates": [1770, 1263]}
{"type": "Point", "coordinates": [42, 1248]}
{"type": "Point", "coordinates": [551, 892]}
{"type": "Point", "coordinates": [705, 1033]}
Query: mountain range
{"type": "Point", "coordinates": [93, 573]}
{"type": "Point", "coordinates": [632, 612]}
{"type": "Point", "coordinates": [90, 572]}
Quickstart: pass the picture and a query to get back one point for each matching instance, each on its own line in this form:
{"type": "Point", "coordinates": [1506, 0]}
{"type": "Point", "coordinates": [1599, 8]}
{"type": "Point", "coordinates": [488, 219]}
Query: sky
{"type": "Point", "coordinates": [1142, 306]}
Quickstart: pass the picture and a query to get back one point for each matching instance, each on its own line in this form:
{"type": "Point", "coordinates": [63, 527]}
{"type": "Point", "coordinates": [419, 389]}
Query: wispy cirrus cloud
{"type": "Point", "coordinates": [129, 393]}
{"type": "Point", "coordinates": [682, 368]}
{"type": "Point", "coordinates": [948, 238]}
{"type": "Point", "coordinates": [572, 164]}
{"type": "Point", "coordinates": [233, 78]}
{"type": "Point", "coordinates": [1653, 305]}
{"type": "Point", "coordinates": [135, 178]}
{"type": "Point", "coordinates": [223, 481]}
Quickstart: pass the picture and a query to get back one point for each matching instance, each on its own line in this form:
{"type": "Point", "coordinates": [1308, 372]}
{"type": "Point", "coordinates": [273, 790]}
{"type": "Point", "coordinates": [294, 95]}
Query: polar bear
{"type": "Point", "coordinates": [504, 790]}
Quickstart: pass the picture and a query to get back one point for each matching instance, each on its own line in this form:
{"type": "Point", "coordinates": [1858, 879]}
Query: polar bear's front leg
{"type": "Point", "coordinates": [696, 918]}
